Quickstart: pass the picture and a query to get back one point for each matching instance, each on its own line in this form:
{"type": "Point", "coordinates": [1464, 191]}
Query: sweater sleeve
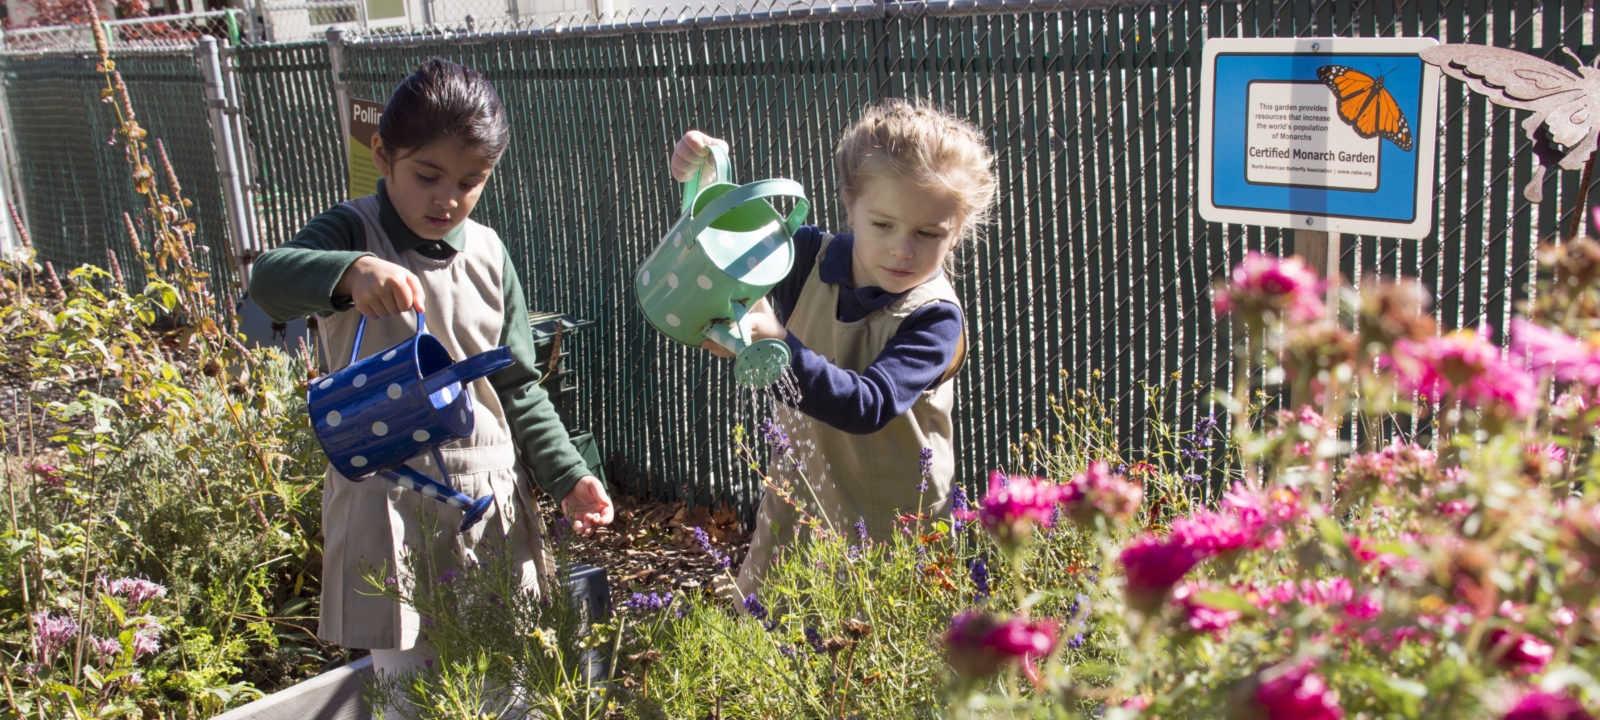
{"type": "Point", "coordinates": [297, 278]}
{"type": "Point", "coordinates": [543, 445]}
{"type": "Point", "coordinates": [911, 362]}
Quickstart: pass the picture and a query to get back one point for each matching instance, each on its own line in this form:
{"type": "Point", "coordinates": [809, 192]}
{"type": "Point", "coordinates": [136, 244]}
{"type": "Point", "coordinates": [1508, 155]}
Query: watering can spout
{"type": "Point", "coordinates": [756, 364]}
{"type": "Point", "coordinates": [467, 370]}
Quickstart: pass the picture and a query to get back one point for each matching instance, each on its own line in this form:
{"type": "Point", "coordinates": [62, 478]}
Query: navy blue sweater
{"type": "Point", "coordinates": [912, 361]}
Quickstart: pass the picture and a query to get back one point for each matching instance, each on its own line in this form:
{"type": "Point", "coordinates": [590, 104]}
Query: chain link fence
{"type": "Point", "coordinates": [1095, 275]}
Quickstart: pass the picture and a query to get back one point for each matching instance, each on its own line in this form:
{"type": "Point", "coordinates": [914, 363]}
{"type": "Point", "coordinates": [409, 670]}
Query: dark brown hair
{"type": "Point", "coordinates": [440, 100]}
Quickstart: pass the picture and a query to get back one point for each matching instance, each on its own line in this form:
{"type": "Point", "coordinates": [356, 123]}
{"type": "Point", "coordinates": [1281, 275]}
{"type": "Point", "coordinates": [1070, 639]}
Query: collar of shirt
{"type": "Point", "coordinates": [403, 239]}
{"type": "Point", "coordinates": [835, 269]}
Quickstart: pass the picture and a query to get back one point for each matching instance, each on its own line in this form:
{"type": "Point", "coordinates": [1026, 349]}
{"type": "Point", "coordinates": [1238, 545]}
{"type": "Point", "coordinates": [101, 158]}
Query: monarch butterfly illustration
{"type": "Point", "coordinates": [1365, 105]}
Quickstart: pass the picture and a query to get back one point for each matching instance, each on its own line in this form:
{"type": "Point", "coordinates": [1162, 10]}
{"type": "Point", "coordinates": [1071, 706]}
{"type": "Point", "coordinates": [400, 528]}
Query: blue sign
{"type": "Point", "coordinates": [1301, 133]}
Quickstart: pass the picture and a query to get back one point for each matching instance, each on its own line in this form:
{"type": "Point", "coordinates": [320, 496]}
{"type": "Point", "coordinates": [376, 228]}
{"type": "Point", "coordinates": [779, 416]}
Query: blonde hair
{"type": "Point", "coordinates": [916, 141]}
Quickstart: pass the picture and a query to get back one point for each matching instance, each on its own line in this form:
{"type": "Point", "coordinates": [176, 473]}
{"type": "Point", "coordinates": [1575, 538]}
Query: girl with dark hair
{"type": "Point", "coordinates": [409, 245]}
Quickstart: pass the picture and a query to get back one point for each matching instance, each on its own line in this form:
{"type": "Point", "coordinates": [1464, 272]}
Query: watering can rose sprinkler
{"type": "Point", "coordinates": [382, 410]}
{"type": "Point", "coordinates": [727, 249]}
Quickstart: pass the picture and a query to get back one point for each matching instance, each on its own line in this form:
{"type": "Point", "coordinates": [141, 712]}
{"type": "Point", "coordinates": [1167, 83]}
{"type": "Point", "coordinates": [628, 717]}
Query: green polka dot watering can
{"type": "Point", "coordinates": [727, 249]}
{"type": "Point", "coordinates": [403, 401]}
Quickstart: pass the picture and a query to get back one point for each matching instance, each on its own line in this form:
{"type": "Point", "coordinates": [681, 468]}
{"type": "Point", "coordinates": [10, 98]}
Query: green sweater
{"type": "Point", "coordinates": [297, 279]}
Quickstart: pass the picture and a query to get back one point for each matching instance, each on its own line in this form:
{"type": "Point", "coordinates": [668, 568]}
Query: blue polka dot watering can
{"type": "Point", "coordinates": [382, 410]}
{"type": "Point", "coordinates": [727, 249]}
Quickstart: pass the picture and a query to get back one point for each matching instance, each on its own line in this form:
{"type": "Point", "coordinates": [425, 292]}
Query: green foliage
{"type": "Point", "coordinates": [500, 650]}
{"type": "Point", "coordinates": [189, 468]}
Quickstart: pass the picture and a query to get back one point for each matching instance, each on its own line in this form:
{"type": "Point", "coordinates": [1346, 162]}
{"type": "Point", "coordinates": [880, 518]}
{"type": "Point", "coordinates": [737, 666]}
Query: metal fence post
{"type": "Point", "coordinates": [222, 138]}
{"type": "Point", "coordinates": [245, 159]}
{"type": "Point", "coordinates": [10, 174]}
{"type": "Point", "coordinates": [341, 89]}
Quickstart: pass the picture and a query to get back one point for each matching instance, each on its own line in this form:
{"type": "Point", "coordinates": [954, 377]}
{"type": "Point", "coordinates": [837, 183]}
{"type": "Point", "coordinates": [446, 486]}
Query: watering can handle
{"type": "Point", "coordinates": [361, 329]}
{"type": "Point", "coordinates": [691, 187]}
{"type": "Point", "coordinates": [758, 190]}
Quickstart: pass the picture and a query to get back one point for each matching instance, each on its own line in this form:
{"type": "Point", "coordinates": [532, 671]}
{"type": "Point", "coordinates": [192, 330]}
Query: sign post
{"type": "Point", "coordinates": [1323, 136]}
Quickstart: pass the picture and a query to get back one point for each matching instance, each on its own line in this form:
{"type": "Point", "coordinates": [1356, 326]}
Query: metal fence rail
{"type": "Point", "coordinates": [1097, 261]}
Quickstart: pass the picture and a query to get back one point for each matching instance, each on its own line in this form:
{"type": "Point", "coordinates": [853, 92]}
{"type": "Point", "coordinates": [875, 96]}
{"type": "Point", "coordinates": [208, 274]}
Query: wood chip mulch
{"type": "Point", "coordinates": [650, 547]}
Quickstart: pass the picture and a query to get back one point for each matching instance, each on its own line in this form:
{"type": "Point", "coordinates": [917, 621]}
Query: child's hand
{"type": "Point", "coordinates": [587, 505]}
{"type": "Point", "coordinates": [763, 324]}
{"type": "Point", "coordinates": [694, 151]}
{"type": "Point", "coordinates": [380, 288]}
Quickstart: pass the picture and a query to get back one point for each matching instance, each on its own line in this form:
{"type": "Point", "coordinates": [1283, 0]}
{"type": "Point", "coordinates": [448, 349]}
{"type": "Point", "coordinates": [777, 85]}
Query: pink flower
{"type": "Point", "coordinates": [51, 634]}
{"type": "Point", "coordinates": [1363, 608]}
{"type": "Point", "coordinates": [106, 648]}
{"type": "Point", "coordinates": [979, 645]}
{"type": "Point", "coordinates": [1211, 533]}
{"type": "Point", "coordinates": [1398, 464]}
{"type": "Point", "coordinates": [1554, 353]}
{"type": "Point", "coordinates": [1262, 286]}
{"type": "Point", "coordinates": [1296, 694]}
{"type": "Point", "coordinates": [1466, 365]}
{"type": "Point", "coordinates": [1519, 652]}
{"type": "Point", "coordinates": [147, 639]}
{"type": "Point", "coordinates": [1198, 616]}
{"type": "Point", "coordinates": [1268, 506]}
{"type": "Point", "coordinates": [1547, 706]}
{"type": "Point", "coordinates": [1153, 565]}
{"type": "Point", "coordinates": [1095, 492]}
{"type": "Point", "coordinates": [1014, 506]}
{"type": "Point", "coordinates": [137, 590]}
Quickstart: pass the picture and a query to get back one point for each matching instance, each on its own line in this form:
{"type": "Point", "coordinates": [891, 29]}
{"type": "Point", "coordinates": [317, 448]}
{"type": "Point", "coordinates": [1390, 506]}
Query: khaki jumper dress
{"type": "Point", "coordinates": [869, 478]}
{"type": "Point", "coordinates": [368, 525]}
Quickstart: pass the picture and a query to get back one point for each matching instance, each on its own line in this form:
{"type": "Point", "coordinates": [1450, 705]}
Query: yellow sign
{"type": "Point", "coordinates": [364, 175]}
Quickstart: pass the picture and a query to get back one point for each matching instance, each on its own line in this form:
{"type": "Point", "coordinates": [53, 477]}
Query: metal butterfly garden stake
{"type": "Point", "coordinates": [1565, 105]}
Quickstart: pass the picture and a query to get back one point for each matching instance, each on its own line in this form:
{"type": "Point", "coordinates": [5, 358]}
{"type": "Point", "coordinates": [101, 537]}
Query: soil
{"type": "Point", "coordinates": [650, 548]}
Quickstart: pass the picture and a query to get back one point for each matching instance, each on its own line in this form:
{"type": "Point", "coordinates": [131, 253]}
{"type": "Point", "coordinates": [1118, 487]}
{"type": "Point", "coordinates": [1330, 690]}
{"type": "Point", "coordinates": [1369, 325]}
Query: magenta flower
{"type": "Point", "coordinates": [1210, 533]}
{"type": "Point", "coordinates": [1014, 506]}
{"type": "Point", "coordinates": [1263, 286]}
{"type": "Point", "coordinates": [1095, 492]}
{"type": "Point", "coordinates": [1519, 652]}
{"type": "Point", "coordinates": [1153, 565]}
{"type": "Point", "coordinates": [1198, 616]}
{"type": "Point", "coordinates": [1466, 365]}
{"type": "Point", "coordinates": [1554, 353]}
{"type": "Point", "coordinates": [1296, 694]}
{"type": "Point", "coordinates": [979, 645]}
{"type": "Point", "coordinates": [1547, 706]}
